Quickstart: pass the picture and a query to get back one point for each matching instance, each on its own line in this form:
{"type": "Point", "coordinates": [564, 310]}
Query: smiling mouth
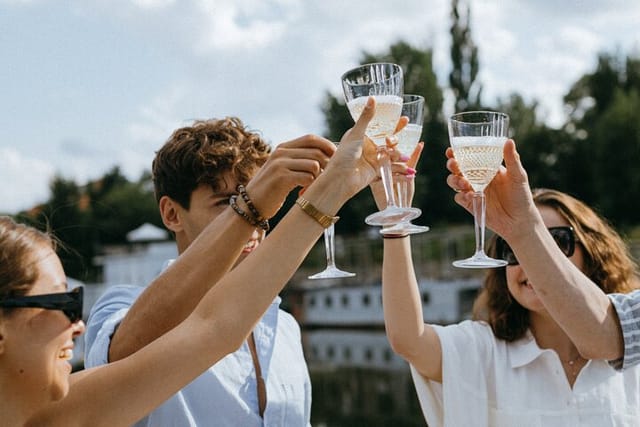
{"type": "Point", "coordinates": [66, 354]}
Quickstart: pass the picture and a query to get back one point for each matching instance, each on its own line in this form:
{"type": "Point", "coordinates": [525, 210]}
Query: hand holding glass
{"type": "Point", "coordinates": [383, 81]}
{"type": "Point", "coordinates": [408, 138]}
{"type": "Point", "coordinates": [477, 139]}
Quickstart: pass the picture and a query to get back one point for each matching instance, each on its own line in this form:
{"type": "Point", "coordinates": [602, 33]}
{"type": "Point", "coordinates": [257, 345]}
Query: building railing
{"type": "Point", "coordinates": [433, 253]}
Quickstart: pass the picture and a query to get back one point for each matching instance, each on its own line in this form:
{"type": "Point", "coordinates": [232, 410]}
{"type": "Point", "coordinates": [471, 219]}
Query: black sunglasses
{"type": "Point", "coordinates": [70, 303]}
{"type": "Point", "coordinates": [564, 237]}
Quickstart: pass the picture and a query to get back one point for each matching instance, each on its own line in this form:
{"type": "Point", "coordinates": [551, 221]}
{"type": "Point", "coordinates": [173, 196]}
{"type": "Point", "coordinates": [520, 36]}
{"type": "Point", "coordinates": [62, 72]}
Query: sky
{"type": "Point", "coordinates": [86, 85]}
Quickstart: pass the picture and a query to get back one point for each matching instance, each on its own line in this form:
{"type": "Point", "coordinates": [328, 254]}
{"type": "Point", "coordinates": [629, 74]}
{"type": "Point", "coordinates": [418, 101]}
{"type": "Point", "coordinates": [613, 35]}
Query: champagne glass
{"type": "Point", "coordinates": [384, 82]}
{"type": "Point", "coordinates": [477, 139]}
{"type": "Point", "coordinates": [408, 138]}
{"type": "Point", "coordinates": [331, 272]}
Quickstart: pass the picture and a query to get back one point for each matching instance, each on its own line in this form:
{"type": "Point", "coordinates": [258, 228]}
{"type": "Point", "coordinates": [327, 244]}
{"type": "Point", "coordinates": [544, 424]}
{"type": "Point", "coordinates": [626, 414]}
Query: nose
{"type": "Point", "coordinates": [78, 328]}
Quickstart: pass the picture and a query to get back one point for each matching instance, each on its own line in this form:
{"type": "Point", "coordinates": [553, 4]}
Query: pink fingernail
{"type": "Point", "coordinates": [404, 158]}
{"type": "Point", "coordinates": [411, 171]}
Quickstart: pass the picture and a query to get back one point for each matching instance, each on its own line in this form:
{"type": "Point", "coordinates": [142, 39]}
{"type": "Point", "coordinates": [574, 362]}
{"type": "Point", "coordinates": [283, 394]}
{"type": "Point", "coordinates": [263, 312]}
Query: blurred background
{"type": "Point", "coordinates": [91, 89]}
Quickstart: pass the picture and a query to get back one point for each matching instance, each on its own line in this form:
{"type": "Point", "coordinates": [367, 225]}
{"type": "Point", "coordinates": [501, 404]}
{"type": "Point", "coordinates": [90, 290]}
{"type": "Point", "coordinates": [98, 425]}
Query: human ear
{"type": "Point", "coordinates": [169, 211]}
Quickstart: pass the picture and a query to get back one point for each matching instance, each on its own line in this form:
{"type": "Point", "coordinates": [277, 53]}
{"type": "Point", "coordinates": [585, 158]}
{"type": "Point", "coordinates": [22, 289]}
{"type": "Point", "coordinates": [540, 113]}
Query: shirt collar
{"type": "Point", "coordinates": [523, 351]}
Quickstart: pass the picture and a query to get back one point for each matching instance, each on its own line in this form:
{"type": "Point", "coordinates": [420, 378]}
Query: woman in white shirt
{"type": "Point", "coordinates": [514, 365]}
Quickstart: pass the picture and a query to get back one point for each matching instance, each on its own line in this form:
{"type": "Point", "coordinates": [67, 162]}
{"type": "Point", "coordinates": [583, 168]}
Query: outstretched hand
{"type": "Point", "coordinates": [508, 196]}
{"type": "Point", "coordinates": [401, 168]}
{"type": "Point", "coordinates": [354, 165]}
{"type": "Point", "coordinates": [294, 163]}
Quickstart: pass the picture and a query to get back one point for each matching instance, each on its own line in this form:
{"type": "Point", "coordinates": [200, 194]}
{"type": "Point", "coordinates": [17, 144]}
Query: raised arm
{"type": "Point", "coordinates": [170, 298]}
{"type": "Point", "coordinates": [583, 311]}
{"type": "Point", "coordinates": [122, 392]}
{"type": "Point", "coordinates": [408, 335]}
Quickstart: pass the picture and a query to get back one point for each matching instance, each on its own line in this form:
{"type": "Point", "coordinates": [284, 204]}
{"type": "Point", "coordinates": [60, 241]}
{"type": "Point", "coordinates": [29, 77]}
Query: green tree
{"type": "Point", "coordinates": [464, 58]}
{"type": "Point", "coordinates": [542, 149]}
{"type": "Point", "coordinates": [64, 216]}
{"type": "Point", "coordinates": [432, 195]}
{"type": "Point", "coordinates": [84, 218]}
{"type": "Point", "coordinates": [604, 130]}
{"type": "Point", "coordinates": [120, 206]}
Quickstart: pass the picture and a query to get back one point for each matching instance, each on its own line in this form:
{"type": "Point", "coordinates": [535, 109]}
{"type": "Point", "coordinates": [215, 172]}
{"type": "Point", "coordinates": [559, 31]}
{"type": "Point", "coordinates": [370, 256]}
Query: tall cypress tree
{"type": "Point", "coordinates": [464, 58]}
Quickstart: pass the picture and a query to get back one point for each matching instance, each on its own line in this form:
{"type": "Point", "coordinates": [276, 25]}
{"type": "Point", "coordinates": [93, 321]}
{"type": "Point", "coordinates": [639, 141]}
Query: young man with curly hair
{"type": "Point", "coordinates": [197, 174]}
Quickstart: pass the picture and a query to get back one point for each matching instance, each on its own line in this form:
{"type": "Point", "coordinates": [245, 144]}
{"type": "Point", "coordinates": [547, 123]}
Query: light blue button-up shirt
{"type": "Point", "coordinates": [226, 394]}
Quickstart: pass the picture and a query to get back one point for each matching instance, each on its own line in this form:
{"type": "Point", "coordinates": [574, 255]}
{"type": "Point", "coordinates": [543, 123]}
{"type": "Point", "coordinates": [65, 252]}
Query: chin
{"type": "Point", "coordinates": [59, 391]}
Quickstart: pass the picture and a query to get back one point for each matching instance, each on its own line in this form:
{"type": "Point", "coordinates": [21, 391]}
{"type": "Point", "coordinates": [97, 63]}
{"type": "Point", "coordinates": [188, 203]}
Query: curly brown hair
{"type": "Point", "coordinates": [202, 153]}
{"type": "Point", "coordinates": [607, 262]}
{"type": "Point", "coordinates": [19, 246]}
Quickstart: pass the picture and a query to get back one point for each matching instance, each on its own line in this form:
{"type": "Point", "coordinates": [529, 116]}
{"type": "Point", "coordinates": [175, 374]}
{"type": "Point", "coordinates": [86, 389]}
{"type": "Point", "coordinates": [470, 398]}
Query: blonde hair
{"type": "Point", "coordinates": [19, 245]}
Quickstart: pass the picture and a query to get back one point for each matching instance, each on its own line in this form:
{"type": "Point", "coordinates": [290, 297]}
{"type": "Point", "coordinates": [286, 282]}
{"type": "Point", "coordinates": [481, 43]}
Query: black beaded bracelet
{"type": "Point", "coordinates": [263, 223]}
{"type": "Point", "coordinates": [243, 192]}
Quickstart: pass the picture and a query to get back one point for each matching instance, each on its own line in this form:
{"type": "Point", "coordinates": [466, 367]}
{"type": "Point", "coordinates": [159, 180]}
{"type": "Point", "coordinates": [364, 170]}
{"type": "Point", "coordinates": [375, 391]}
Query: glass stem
{"type": "Point", "coordinates": [329, 245]}
{"type": "Point", "coordinates": [479, 220]}
{"type": "Point", "coordinates": [387, 177]}
{"type": "Point", "coordinates": [401, 189]}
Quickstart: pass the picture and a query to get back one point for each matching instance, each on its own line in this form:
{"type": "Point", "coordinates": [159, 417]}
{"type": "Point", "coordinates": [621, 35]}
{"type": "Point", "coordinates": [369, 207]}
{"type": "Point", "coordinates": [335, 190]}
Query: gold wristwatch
{"type": "Point", "coordinates": [323, 219]}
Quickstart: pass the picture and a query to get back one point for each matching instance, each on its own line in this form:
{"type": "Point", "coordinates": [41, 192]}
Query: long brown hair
{"type": "Point", "coordinates": [607, 262]}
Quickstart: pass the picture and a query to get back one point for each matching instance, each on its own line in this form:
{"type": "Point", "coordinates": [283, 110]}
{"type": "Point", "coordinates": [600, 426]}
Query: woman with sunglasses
{"type": "Point", "coordinates": [39, 319]}
{"type": "Point", "coordinates": [514, 364]}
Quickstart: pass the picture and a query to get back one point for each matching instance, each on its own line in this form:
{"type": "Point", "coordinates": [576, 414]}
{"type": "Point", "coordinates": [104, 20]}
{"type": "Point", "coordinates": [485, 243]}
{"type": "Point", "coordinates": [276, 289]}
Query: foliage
{"type": "Point", "coordinates": [464, 56]}
{"type": "Point", "coordinates": [84, 218]}
{"type": "Point", "coordinates": [420, 78]}
{"type": "Point", "coordinates": [604, 130]}
{"type": "Point", "coordinates": [592, 156]}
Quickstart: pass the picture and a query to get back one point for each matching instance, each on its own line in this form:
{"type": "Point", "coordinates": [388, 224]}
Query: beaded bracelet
{"type": "Point", "coordinates": [243, 192]}
{"type": "Point", "coordinates": [262, 223]}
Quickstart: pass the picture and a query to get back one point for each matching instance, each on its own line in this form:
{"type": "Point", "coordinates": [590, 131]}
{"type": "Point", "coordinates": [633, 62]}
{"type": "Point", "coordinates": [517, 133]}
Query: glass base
{"type": "Point", "coordinates": [331, 273]}
{"type": "Point", "coordinates": [405, 227]}
{"type": "Point", "coordinates": [392, 216]}
{"type": "Point", "coordinates": [480, 260]}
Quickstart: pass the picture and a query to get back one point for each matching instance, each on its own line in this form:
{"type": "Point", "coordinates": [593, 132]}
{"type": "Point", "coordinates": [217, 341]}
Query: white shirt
{"type": "Point", "coordinates": [226, 394]}
{"type": "Point", "coordinates": [489, 382]}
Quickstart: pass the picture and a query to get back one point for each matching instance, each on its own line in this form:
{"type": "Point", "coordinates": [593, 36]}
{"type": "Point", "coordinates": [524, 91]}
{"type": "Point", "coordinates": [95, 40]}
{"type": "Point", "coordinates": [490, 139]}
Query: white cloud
{"type": "Point", "coordinates": [153, 4]}
{"type": "Point", "coordinates": [26, 180]}
{"type": "Point", "coordinates": [127, 72]}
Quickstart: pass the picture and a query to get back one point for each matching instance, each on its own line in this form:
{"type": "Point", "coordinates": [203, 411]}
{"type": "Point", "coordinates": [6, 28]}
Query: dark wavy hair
{"type": "Point", "coordinates": [202, 153]}
{"type": "Point", "coordinates": [607, 262]}
{"type": "Point", "coordinates": [19, 248]}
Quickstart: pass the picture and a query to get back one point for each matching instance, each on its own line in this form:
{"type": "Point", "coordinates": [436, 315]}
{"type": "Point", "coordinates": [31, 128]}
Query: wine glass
{"type": "Point", "coordinates": [477, 139]}
{"type": "Point", "coordinates": [408, 138]}
{"type": "Point", "coordinates": [384, 82]}
{"type": "Point", "coordinates": [331, 272]}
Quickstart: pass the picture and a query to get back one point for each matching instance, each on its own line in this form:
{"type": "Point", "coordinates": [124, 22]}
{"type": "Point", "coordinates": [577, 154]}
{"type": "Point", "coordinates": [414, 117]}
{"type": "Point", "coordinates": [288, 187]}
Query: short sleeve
{"type": "Point", "coordinates": [104, 318]}
{"type": "Point", "coordinates": [628, 308]}
{"type": "Point", "coordinates": [466, 356]}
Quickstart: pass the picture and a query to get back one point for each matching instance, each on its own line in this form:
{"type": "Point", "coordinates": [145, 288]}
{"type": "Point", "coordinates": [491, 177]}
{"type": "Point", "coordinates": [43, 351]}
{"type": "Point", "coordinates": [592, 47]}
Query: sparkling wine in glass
{"type": "Point", "coordinates": [408, 138]}
{"type": "Point", "coordinates": [383, 81]}
{"type": "Point", "coordinates": [477, 139]}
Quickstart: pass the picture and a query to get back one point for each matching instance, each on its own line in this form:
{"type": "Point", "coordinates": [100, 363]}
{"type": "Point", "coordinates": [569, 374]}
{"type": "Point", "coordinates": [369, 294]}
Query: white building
{"type": "Point", "coordinates": [140, 261]}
